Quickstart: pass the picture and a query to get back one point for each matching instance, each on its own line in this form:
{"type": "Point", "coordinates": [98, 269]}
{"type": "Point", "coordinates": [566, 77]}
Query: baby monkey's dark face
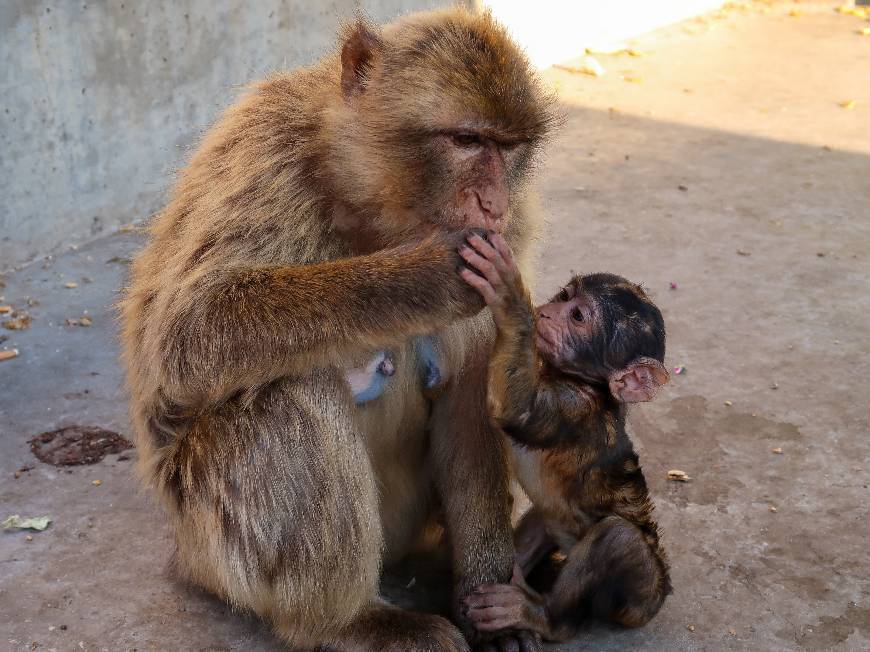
{"type": "Point", "coordinates": [597, 324]}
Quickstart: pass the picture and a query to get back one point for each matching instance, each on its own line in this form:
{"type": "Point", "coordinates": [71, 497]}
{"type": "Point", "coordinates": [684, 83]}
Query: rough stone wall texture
{"type": "Point", "coordinates": [100, 102]}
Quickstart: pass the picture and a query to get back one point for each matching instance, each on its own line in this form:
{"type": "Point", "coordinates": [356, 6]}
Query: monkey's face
{"type": "Point", "coordinates": [597, 324]}
{"type": "Point", "coordinates": [445, 118]}
{"type": "Point", "coordinates": [565, 329]}
{"type": "Point", "coordinates": [472, 172]}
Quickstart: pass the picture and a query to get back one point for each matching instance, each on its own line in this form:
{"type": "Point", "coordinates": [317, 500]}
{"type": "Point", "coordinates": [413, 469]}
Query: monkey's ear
{"type": "Point", "coordinates": [639, 381]}
{"type": "Point", "coordinates": [361, 45]}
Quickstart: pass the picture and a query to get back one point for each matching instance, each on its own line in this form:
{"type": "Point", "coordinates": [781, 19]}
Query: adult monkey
{"type": "Point", "coordinates": [317, 222]}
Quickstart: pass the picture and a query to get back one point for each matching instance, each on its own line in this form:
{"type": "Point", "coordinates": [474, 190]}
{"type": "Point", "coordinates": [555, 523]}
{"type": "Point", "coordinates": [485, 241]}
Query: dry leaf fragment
{"type": "Point", "coordinates": [691, 628]}
{"type": "Point", "coordinates": [743, 252]}
{"type": "Point", "coordinates": [678, 476]}
{"type": "Point", "coordinates": [773, 509]}
{"type": "Point", "coordinates": [71, 285]}
{"type": "Point", "coordinates": [632, 79]}
{"type": "Point", "coordinates": [5, 309]}
{"type": "Point", "coordinates": [848, 104]}
{"type": "Point", "coordinates": [96, 483]}
{"type": "Point", "coordinates": [15, 522]}
{"type": "Point", "coordinates": [776, 450]}
{"type": "Point", "coordinates": [8, 355]}
{"type": "Point", "coordinates": [20, 320]}
{"type": "Point", "coordinates": [588, 66]}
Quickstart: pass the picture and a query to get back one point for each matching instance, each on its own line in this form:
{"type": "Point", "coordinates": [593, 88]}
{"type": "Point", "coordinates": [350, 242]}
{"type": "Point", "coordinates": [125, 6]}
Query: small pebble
{"type": "Point", "coordinates": [691, 628]}
{"type": "Point", "coordinates": [29, 537]}
{"type": "Point", "coordinates": [774, 385]}
{"type": "Point", "coordinates": [773, 509]}
{"type": "Point", "coordinates": [728, 403]}
{"type": "Point", "coordinates": [71, 285]}
{"type": "Point", "coordinates": [776, 450]}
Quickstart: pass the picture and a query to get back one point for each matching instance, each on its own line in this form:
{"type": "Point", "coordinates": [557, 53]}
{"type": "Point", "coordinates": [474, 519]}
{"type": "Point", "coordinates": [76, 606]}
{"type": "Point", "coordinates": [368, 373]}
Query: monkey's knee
{"type": "Point", "coordinates": [285, 520]}
{"type": "Point", "coordinates": [635, 584]}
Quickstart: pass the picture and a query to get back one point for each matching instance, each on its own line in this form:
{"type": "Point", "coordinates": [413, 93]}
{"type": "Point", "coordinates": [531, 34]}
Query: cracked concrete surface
{"type": "Point", "coordinates": [734, 141]}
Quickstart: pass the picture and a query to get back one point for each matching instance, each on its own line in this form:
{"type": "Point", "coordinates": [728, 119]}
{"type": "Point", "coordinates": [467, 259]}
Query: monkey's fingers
{"type": "Point", "coordinates": [492, 254]}
{"type": "Point", "coordinates": [481, 285]}
{"type": "Point", "coordinates": [504, 251]}
{"type": "Point", "coordinates": [494, 619]}
{"type": "Point", "coordinates": [482, 265]}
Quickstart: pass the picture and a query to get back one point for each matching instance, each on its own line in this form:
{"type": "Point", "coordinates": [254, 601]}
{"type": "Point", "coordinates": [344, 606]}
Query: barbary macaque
{"type": "Point", "coordinates": [318, 223]}
{"type": "Point", "coordinates": [561, 377]}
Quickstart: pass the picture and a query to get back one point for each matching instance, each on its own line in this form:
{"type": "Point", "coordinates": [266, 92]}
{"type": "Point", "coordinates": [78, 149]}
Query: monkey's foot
{"type": "Point", "coordinates": [384, 628]}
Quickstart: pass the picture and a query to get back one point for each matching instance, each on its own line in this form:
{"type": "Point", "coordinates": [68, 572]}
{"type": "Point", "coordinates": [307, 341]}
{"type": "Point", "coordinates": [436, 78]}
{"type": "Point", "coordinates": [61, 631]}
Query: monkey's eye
{"type": "Point", "coordinates": [577, 314]}
{"type": "Point", "coordinates": [466, 139]}
{"type": "Point", "coordinates": [563, 295]}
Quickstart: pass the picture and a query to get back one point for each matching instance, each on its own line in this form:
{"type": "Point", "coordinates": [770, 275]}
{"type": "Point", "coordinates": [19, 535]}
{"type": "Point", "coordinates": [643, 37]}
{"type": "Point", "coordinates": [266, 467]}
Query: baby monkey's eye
{"type": "Point", "coordinates": [563, 295]}
{"type": "Point", "coordinates": [577, 314]}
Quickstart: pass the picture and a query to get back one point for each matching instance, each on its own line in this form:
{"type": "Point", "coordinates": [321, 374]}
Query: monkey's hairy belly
{"type": "Point", "coordinates": [394, 426]}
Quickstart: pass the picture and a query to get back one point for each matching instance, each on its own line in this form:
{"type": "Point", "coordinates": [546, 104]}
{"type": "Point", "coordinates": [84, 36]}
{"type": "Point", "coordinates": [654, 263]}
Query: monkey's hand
{"type": "Point", "coordinates": [510, 607]}
{"type": "Point", "coordinates": [492, 271]}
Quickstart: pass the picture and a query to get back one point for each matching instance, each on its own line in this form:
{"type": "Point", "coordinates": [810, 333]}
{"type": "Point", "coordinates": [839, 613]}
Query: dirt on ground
{"type": "Point", "coordinates": [724, 164]}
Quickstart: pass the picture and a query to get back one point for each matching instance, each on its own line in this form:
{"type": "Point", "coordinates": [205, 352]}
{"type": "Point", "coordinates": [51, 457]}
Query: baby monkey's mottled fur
{"type": "Point", "coordinates": [560, 379]}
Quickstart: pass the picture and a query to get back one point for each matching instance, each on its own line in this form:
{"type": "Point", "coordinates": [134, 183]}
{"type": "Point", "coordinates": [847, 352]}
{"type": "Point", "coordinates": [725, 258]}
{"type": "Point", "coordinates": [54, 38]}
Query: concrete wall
{"type": "Point", "coordinates": [100, 101]}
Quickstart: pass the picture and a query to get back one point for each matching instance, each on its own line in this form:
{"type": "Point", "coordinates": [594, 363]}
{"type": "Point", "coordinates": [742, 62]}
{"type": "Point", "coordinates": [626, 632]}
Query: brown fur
{"type": "Point", "coordinates": [284, 497]}
{"type": "Point", "coordinates": [564, 412]}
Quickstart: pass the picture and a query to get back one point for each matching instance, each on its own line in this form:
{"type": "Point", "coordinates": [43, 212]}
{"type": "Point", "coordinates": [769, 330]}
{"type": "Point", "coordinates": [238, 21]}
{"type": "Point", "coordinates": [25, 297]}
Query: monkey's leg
{"type": "Point", "coordinates": [532, 541]}
{"type": "Point", "coordinates": [612, 573]}
{"type": "Point", "coordinates": [470, 465]}
{"type": "Point", "coordinates": [277, 512]}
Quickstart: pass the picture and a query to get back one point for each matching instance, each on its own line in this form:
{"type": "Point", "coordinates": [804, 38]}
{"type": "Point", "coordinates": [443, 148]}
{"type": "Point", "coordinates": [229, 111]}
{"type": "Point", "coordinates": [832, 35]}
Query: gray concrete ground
{"type": "Point", "coordinates": [731, 171]}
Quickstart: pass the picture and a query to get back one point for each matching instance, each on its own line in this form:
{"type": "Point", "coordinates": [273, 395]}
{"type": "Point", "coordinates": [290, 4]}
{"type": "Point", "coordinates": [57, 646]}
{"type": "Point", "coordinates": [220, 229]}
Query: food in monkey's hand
{"type": "Point", "coordinates": [560, 379]}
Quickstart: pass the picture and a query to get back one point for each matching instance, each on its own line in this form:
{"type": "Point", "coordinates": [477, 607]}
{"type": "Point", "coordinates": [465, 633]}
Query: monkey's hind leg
{"type": "Point", "coordinates": [278, 513]}
{"type": "Point", "coordinates": [612, 573]}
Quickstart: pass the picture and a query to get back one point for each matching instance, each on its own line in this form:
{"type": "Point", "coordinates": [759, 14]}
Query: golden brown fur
{"type": "Point", "coordinates": [305, 232]}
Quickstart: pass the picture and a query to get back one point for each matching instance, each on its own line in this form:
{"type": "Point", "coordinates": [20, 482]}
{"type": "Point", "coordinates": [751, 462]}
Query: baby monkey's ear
{"type": "Point", "coordinates": [639, 381]}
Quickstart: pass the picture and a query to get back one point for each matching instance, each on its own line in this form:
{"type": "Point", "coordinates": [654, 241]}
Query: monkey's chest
{"type": "Point", "coordinates": [547, 490]}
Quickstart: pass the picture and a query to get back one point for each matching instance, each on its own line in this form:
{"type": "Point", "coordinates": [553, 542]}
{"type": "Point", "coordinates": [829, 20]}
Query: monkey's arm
{"type": "Point", "coordinates": [530, 408]}
{"type": "Point", "coordinates": [235, 328]}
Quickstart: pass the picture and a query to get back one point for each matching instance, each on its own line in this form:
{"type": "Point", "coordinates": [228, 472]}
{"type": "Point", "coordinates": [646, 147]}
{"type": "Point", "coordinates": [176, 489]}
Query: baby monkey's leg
{"type": "Point", "coordinates": [532, 541]}
{"type": "Point", "coordinates": [612, 573]}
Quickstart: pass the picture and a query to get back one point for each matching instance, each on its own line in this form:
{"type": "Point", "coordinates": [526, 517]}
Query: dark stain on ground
{"type": "Point", "coordinates": [76, 445]}
{"type": "Point", "coordinates": [831, 630]}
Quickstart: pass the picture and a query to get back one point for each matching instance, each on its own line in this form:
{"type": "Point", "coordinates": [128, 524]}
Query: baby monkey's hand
{"type": "Point", "coordinates": [496, 277]}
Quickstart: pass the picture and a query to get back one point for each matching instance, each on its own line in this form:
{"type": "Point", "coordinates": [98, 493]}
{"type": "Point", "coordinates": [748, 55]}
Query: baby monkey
{"type": "Point", "coordinates": [560, 379]}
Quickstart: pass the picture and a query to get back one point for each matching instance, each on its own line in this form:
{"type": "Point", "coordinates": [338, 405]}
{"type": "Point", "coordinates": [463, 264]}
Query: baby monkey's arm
{"type": "Point", "coordinates": [527, 406]}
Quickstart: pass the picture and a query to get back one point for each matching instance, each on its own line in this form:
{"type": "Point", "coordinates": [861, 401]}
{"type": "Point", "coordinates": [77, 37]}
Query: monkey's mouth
{"type": "Point", "coordinates": [542, 335]}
